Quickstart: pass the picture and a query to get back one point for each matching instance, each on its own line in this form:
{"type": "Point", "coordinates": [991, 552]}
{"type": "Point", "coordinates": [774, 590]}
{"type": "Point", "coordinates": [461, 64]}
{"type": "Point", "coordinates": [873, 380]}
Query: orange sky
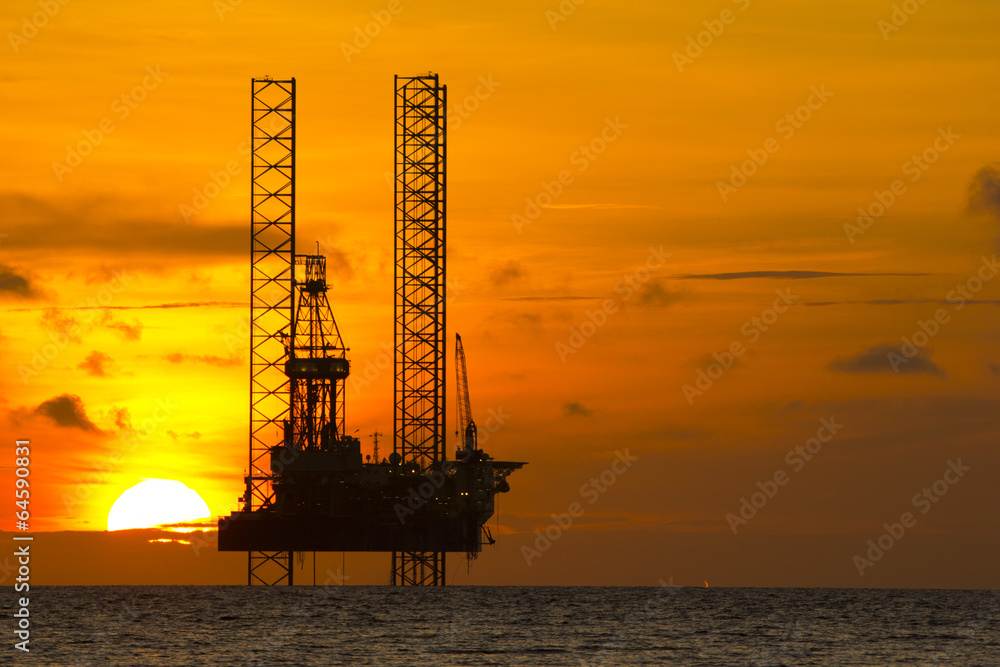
{"type": "Point", "coordinates": [528, 93]}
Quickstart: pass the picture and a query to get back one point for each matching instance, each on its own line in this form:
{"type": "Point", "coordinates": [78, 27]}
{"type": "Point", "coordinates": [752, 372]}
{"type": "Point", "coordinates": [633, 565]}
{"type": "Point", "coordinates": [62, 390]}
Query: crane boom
{"type": "Point", "coordinates": [466, 426]}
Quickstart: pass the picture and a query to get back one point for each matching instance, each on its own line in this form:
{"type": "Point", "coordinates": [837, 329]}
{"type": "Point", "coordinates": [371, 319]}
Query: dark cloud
{"type": "Point", "coordinates": [655, 294]}
{"type": "Point", "coordinates": [116, 227]}
{"type": "Point", "coordinates": [16, 285]}
{"type": "Point", "coordinates": [995, 369]}
{"type": "Point", "coordinates": [877, 360]}
{"type": "Point", "coordinates": [507, 273]}
{"type": "Point", "coordinates": [67, 411]}
{"type": "Point", "coordinates": [984, 191]}
{"type": "Point", "coordinates": [576, 410]}
{"type": "Point", "coordinates": [787, 275]}
{"type": "Point", "coordinates": [793, 405]}
{"type": "Point", "coordinates": [210, 359]}
{"type": "Point", "coordinates": [96, 364]}
{"type": "Point", "coordinates": [984, 194]}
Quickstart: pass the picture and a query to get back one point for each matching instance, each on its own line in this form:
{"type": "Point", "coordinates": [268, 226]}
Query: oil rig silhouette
{"type": "Point", "coordinates": [307, 488]}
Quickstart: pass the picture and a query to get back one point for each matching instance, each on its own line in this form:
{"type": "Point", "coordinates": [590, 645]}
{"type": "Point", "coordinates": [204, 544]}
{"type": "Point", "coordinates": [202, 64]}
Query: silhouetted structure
{"type": "Point", "coordinates": [315, 493]}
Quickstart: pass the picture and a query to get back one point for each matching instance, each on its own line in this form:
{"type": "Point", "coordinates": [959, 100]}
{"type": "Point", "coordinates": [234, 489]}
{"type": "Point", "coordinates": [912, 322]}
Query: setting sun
{"type": "Point", "coordinates": [154, 502]}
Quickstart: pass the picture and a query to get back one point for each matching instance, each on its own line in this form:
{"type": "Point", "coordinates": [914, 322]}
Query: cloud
{"type": "Point", "coordinates": [210, 359]}
{"type": "Point", "coordinates": [64, 325]}
{"type": "Point", "coordinates": [115, 226]}
{"type": "Point", "coordinates": [905, 302]}
{"type": "Point", "coordinates": [177, 436]}
{"type": "Point", "coordinates": [123, 419]}
{"type": "Point", "coordinates": [984, 194]}
{"type": "Point", "coordinates": [67, 411]}
{"type": "Point", "coordinates": [793, 405]}
{"type": "Point", "coordinates": [876, 360]}
{"type": "Point", "coordinates": [655, 294]}
{"type": "Point", "coordinates": [605, 206]}
{"type": "Point", "coordinates": [507, 273]}
{"type": "Point", "coordinates": [984, 191]}
{"type": "Point", "coordinates": [96, 364]}
{"type": "Point", "coordinates": [787, 275]}
{"type": "Point", "coordinates": [16, 285]}
{"type": "Point", "coordinates": [552, 298]}
{"type": "Point", "coordinates": [995, 369]}
{"type": "Point", "coordinates": [576, 410]}
{"type": "Point", "coordinates": [176, 304]}
{"type": "Point", "coordinates": [128, 331]}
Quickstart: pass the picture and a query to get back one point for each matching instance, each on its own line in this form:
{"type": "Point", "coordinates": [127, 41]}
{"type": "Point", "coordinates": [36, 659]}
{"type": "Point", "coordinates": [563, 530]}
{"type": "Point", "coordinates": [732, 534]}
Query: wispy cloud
{"type": "Point", "coordinates": [787, 275]}
{"type": "Point", "coordinates": [901, 302]}
{"type": "Point", "coordinates": [552, 298]}
{"type": "Point", "coordinates": [876, 359]}
{"type": "Point", "coordinates": [210, 359]}
{"type": "Point", "coordinates": [175, 304]}
{"type": "Point", "coordinates": [605, 206]}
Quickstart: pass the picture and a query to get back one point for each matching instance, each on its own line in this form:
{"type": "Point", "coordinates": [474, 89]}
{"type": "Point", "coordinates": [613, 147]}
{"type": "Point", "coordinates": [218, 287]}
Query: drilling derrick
{"type": "Point", "coordinates": [420, 295]}
{"type": "Point", "coordinates": [317, 364]}
{"type": "Point", "coordinates": [272, 221]}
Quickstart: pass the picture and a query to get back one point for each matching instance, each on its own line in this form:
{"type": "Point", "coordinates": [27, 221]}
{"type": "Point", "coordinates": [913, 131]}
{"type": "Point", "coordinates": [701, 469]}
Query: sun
{"type": "Point", "coordinates": [156, 501]}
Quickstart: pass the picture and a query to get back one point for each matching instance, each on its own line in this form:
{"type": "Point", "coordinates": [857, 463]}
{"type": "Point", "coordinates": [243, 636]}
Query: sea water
{"type": "Point", "coordinates": [361, 625]}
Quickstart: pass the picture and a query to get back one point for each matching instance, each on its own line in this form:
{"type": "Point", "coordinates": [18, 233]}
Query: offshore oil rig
{"type": "Point", "coordinates": [307, 487]}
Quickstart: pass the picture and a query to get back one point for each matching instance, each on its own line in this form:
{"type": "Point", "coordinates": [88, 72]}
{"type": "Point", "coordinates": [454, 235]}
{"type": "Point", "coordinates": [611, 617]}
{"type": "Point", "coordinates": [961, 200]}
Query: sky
{"type": "Point", "coordinates": [724, 272]}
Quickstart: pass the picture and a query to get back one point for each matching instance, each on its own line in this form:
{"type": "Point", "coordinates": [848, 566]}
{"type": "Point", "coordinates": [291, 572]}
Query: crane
{"type": "Point", "coordinates": [466, 426]}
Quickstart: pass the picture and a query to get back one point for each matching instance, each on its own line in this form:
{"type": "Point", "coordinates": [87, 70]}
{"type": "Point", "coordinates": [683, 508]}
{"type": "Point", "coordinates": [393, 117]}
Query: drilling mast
{"type": "Point", "coordinates": [420, 296]}
{"type": "Point", "coordinates": [272, 260]}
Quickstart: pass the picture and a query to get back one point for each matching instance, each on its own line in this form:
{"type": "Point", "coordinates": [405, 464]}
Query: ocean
{"type": "Point", "coordinates": [360, 625]}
